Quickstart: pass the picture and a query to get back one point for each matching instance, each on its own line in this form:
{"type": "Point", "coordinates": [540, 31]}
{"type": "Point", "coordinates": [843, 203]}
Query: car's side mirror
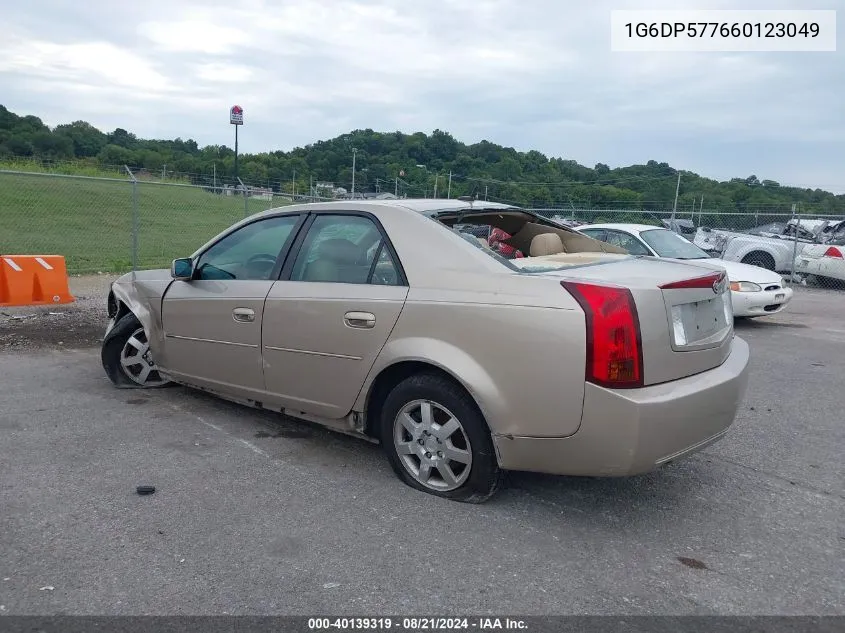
{"type": "Point", "coordinates": [182, 269]}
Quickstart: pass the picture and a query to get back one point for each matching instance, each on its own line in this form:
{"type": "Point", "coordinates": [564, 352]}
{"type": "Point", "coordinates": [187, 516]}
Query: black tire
{"type": "Point", "coordinates": [110, 354]}
{"type": "Point", "coordinates": [760, 259]}
{"type": "Point", "coordinates": [485, 476]}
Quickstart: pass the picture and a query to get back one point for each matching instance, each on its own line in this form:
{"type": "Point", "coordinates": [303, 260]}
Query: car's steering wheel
{"type": "Point", "coordinates": [262, 261]}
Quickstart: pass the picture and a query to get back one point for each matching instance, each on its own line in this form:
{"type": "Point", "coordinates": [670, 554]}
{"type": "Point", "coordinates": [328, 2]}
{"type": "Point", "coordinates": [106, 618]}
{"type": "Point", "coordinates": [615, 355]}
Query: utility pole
{"type": "Point", "coordinates": [311, 187]}
{"type": "Point", "coordinates": [354, 151]}
{"type": "Point", "coordinates": [436, 176]}
{"type": "Point", "coordinates": [396, 187]}
{"type": "Point", "coordinates": [485, 192]}
{"type": "Point", "coordinates": [677, 189]}
{"type": "Point", "coordinates": [215, 176]}
{"type": "Point", "coordinates": [449, 191]}
{"type": "Point", "coordinates": [164, 171]}
{"type": "Point", "coordinates": [794, 244]}
{"type": "Point", "coordinates": [293, 187]}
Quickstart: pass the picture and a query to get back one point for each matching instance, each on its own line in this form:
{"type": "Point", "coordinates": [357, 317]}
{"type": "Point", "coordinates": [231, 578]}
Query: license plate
{"type": "Point", "coordinates": [779, 296]}
{"type": "Point", "coordinates": [705, 318]}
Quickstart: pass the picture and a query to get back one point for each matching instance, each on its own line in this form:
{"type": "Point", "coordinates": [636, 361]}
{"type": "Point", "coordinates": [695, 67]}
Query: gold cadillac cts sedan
{"type": "Point", "coordinates": [394, 321]}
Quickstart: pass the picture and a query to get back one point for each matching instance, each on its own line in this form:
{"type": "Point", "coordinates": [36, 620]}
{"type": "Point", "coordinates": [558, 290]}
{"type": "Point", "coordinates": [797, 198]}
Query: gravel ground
{"type": "Point", "coordinates": [73, 325]}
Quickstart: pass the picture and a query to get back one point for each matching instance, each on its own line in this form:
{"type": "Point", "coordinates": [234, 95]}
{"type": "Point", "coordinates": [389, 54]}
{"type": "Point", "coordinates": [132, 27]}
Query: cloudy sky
{"type": "Point", "coordinates": [530, 74]}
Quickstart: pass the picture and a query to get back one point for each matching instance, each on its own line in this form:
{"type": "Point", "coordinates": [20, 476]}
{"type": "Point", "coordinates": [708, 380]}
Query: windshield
{"type": "Point", "coordinates": [669, 244]}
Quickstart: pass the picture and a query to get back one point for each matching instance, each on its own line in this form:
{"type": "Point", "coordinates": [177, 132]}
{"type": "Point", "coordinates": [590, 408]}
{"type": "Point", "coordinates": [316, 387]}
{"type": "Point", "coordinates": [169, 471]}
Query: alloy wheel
{"type": "Point", "coordinates": [432, 445]}
{"type": "Point", "coordinates": [137, 362]}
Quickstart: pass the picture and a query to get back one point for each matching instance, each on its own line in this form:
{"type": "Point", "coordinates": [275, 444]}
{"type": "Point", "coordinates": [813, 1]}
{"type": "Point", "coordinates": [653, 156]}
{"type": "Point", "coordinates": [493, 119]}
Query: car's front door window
{"type": "Point", "coordinates": [250, 253]}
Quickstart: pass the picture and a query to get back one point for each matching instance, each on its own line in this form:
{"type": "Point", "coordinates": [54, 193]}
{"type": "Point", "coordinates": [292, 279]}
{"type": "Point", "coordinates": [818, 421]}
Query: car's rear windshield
{"type": "Point", "coordinates": [516, 265]}
{"type": "Point", "coordinates": [472, 239]}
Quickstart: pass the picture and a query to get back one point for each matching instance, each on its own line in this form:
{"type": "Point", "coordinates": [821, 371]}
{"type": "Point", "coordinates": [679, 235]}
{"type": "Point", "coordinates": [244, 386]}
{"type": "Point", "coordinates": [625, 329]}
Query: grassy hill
{"type": "Point", "coordinates": [89, 220]}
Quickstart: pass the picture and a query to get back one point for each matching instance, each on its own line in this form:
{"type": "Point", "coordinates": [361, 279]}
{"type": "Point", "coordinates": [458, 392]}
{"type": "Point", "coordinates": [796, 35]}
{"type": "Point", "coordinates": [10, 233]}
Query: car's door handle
{"type": "Point", "coordinates": [360, 319]}
{"type": "Point", "coordinates": [244, 315]}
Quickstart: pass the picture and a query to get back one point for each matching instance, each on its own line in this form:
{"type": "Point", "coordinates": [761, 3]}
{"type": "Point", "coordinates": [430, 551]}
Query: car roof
{"type": "Point", "coordinates": [632, 228]}
{"type": "Point", "coordinates": [426, 206]}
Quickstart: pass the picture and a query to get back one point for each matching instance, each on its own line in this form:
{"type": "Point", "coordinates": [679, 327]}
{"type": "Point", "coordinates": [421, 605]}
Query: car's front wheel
{"type": "Point", "coordinates": [127, 358]}
{"type": "Point", "coordinates": [437, 441]}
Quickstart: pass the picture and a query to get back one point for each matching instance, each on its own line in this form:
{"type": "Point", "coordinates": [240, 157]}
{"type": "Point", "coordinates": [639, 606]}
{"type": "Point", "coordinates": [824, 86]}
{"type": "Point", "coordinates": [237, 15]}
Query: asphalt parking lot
{"type": "Point", "coordinates": [255, 514]}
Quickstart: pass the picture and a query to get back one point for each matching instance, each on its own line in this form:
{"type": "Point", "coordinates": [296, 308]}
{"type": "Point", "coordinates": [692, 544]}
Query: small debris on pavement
{"type": "Point", "coordinates": [47, 588]}
{"type": "Point", "coordinates": [331, 585]}
{"type": "Point", "coordinates": [693, 563]}
{"type": "Point", "coordinates": [145, 490]}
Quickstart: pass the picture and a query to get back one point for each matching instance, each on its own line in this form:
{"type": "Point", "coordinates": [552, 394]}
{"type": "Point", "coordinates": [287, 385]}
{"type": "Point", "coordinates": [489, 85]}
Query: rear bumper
{"type": "Point", "coordinates": [821, 267]}
{"type": "Point", "coordinates": [627, 432]}
{"type": "Point", "coordinates": [750, 304]}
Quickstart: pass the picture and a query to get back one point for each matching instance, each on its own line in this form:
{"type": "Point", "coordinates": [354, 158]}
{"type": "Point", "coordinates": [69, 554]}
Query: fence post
{"type": "Point", "coordinates": [246, 197]}
{"type": "Point", "coordinates": [794, 247]}
{"type": "Point", "coordinates": [134, 218]}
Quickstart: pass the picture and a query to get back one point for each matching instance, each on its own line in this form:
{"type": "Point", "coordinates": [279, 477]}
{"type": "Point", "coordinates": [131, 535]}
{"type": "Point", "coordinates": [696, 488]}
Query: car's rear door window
{"type": "Point", "coordinates": [345, 249]}
{"type": "Point", "coordinates": [626, 241]}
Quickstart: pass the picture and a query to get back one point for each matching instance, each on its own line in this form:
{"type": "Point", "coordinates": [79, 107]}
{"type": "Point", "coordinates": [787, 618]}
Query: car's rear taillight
{"type": "Point", "coordinates": [614, 344]}
{"type": "Point", "coordinates": [708, 281]}
{"type": "Point", "coordinates": [833, 252]}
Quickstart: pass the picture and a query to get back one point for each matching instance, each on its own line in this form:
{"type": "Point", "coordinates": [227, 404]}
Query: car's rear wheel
{"type": "Point", "coordinates": [437, 440]}
{"type": "Point", "coordinates": [127, 358]}
{"type": "Point", "coordinates": [760, 259]}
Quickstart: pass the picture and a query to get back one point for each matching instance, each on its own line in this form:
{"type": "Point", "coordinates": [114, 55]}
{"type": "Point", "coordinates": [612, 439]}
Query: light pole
{"type": "Point", "coordinates": [354, 151]}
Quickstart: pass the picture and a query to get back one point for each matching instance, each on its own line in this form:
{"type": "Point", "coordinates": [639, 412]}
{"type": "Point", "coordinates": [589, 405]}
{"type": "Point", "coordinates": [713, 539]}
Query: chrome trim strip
{"type": "Point", "coordinates": [208, 340]}
{"type": "Point", "coordinates": [310, 353]}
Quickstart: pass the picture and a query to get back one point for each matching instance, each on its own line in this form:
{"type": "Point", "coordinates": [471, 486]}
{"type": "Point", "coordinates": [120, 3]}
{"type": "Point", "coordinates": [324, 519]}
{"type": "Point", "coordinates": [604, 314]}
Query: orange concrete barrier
{"type": "Point", "coordinates": [32, 280]}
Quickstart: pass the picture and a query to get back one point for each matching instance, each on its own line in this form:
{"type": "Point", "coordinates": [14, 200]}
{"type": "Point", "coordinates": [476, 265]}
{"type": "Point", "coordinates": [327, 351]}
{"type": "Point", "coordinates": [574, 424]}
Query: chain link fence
{"type": "Point", "coordinates": [112, 225]}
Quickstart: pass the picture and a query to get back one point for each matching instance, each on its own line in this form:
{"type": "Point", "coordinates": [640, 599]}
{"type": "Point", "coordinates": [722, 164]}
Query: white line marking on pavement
{"type": "Point", "coordinates": [253, 448]}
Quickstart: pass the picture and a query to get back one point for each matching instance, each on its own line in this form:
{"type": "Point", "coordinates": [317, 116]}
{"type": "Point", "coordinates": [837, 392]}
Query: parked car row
{"type": "Point", "coordinates": [391, 321]}
{"type": "Point", "coordinates": [777, 247]}
{"type": "Point", "coordinates": [755, 291]}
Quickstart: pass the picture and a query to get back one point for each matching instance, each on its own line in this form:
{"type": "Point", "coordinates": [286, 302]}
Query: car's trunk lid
{"type": "Point", "coordinates": [684, 310]}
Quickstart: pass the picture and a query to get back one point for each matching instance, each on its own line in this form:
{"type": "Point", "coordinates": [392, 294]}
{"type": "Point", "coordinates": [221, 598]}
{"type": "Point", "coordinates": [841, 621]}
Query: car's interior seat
{"type": "Point", "coordinates": [546, 244]}
{"type": "Point", "coordinates": [338, 260]}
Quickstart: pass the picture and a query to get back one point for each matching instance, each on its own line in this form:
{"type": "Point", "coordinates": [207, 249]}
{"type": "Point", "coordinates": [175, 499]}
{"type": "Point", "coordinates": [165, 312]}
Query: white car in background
{"type": "Point", "coordinates": [822, 260]}
{"type": "Point", "coordinates": [755, 291]}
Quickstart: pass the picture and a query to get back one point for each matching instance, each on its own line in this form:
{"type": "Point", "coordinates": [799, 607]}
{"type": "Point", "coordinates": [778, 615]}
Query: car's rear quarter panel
{"type": "Point", "coordinates": [518, 348]}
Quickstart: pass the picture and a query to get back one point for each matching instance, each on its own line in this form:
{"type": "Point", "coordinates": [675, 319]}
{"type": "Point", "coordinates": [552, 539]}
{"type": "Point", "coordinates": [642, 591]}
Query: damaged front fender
{"type": "Point", "coordinates": [140, 293]}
